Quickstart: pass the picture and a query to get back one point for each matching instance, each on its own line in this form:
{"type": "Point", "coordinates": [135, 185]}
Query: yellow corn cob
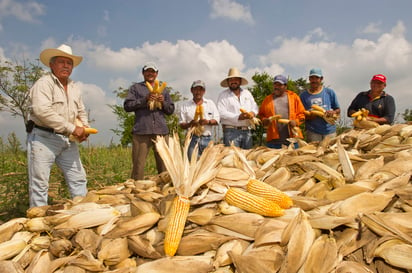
{"type": "Point", "coordinates": [176, 224]}
{"type": "Point", "coordinates": [267, 191]}
{"type": "Point", "coordinates": [318, 108]}
{"type": "Point", "coordinates": [252, 203]}
{"type": "Point", "coordinates": [149, 86]}
{"type": "Point", "coordinates": [275, 117]}
{"type": "Point", "coordinates": [284, 120]}
{"type": "Point", "coordinates": [245, 112]}
{"type": "Point", "coordinates": [91, 130]}
{"type": "Point", "coordinates": [357, 113]}
{"type": "Point", "coordinates": [161, 87]}
{"type": "Point", "coordinates": [307, 113]}
{"type": "Point", "coordinates": [201, 111]}
{"type": "Point", "coordinates": [156, 86]}
{"type": "Point", "coordinates": [317, 113]}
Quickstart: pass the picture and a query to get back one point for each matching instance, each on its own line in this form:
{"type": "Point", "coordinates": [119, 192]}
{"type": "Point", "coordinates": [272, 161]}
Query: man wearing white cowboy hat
{"type": "Point", "coordinates": [55, 103]}
{"type": "Point", "coordinates": [236, 107]}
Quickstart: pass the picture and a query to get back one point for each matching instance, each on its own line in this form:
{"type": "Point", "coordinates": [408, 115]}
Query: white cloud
{"type": "Point", "coordinates": [372, 28]}
{"type": "Point", "coordinates": [23, 11]}
{"type": "Point", "coordinates": [232, 10]}
{"type": "Point", "coordinates": [100, 114]}
{"type": "Point", "coordinates": [349, 68]}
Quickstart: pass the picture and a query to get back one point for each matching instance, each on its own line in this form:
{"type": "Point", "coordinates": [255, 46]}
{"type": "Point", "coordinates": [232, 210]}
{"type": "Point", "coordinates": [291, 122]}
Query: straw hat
{"type": "Point", "coordinates": [233, 73]}
{"type": "Point", "coordinates": [63, 51]}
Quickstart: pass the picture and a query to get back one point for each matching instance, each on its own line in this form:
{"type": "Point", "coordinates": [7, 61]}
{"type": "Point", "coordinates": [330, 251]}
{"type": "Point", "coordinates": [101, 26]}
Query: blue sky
{"type": "Point", "coordinates": [190, 40]}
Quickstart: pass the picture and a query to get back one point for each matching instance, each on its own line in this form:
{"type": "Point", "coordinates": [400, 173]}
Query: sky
{"type": "Point", "coordinates": [190, 40]}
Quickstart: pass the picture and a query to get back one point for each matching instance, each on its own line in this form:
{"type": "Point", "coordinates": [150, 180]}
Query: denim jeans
{"type": "Point", "coordinates": [241, 138]}
{"type": "Point", "coordinates": [202, 142]}
{"type": "Point", "coordinates": [43, 150]}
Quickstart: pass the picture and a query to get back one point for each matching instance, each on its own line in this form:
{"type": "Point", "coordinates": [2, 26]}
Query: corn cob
{"type": "Point", "coordinates": [284, 120]}
{"type": "Point", "coordinates": [176, 224]}
{"type": "Point", "coordinates": [317, 113]}
{"type": "Point", "coordinates": [267, 191]}
{"type": "Point", "coordinates": [245, 112]}
{"type": "Point", "coordinates": [275, 117]}
{"type": "Point", "coordinates": [318, 108]}
{"type": "Point", "coordinates": [252, 203]}
{"type": "Point", "coordinates": [87, 130]}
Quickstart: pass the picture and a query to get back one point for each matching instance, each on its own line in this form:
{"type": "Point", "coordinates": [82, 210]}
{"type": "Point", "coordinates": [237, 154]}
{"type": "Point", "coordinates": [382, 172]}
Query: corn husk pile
{"type": "Point", "coordinates": [352, 212]}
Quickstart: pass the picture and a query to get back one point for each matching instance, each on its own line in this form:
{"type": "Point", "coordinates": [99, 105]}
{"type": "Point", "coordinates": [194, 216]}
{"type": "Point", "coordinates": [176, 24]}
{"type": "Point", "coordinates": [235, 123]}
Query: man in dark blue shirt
{"type": "Point", "coordinates": [381, 105]}
{"type": "Point", "coordinates": [149, 122]}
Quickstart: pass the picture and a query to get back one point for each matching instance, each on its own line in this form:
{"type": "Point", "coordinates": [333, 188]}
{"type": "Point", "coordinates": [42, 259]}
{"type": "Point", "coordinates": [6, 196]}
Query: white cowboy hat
{"type": "Point", "coordinates": [63, 51]}
{"type": "Point", "coordinates": [233, 73]}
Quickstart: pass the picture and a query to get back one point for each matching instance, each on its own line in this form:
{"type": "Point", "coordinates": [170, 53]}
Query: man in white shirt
{"type": "Point", "coordinates": [235, 123]}
{"type": "Point", "coordinates": [203, 120]}
{"type": "Point", "coordinates": [55, 103]}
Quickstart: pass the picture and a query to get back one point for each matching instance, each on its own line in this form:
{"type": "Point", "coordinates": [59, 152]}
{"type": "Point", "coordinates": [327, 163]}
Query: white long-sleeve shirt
{"type": "Point", "coordinates": [228, 105]}
{"type": "Point", "coordinates": [187, 112]}
{"type": "Point", "coordinates": [51, 106]}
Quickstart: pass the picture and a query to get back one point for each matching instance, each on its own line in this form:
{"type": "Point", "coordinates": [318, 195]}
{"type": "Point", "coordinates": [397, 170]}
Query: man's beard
{"type": "Point", "coordinates": [234, 87]}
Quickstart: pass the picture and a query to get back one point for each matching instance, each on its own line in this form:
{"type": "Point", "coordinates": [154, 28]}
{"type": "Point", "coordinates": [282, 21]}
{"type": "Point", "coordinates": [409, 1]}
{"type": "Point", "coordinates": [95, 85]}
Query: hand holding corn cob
{"type": "Point", "coordinates": [253, 121]}
{"type": "Point", "coordinates": [318, 111]}
{"type": "Point", "coordinates": [294, 129]}
{"type": "Point", "coordinates": [362, 120]}
{"type": "Point", "coordinates": [155, 96]}
{"type": "Point", "coordinates": [87, 130]}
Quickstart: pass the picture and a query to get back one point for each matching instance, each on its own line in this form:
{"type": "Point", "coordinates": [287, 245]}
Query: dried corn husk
{"type": "Point", "coordinates": [395, 252]}
{"type": "Point", "coordinates": [113, 251]}
{"type": "Point", "coordinates": [90, 218]}
{"type": "Point", "coordinates": [183, 264]}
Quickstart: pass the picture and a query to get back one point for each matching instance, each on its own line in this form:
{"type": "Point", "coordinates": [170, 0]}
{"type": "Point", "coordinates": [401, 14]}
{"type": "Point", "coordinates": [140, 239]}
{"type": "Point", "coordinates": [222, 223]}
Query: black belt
{"type": "Point", "coordinates": [244, 128]}
{"type": "Point", "coordinates": [47, 129]}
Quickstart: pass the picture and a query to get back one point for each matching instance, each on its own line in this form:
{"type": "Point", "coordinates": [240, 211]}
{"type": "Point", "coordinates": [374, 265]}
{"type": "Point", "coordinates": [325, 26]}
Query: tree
{"type": "Point", "coordinates": [126, 120]}
{"type": "Point", "coordinates": [407, 115]}
{"type": "Point", "coordinates": [15, 82]}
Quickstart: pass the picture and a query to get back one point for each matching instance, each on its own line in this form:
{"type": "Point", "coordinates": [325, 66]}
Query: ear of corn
{"type": "Point", "coordinates": [176, 224]}
{"type": "Point", "coordinates": [318, 108]}
{"type": "Point", "coordinates": [149, 86]}
{"type": "Point", "coordinates": [91, 130]}
{"type": "Point", "coordinates": [267, 191]}
{"type": "Point", "coordinates": [284, 120]}
{"type": "Point", "coordinates": [252, 203]}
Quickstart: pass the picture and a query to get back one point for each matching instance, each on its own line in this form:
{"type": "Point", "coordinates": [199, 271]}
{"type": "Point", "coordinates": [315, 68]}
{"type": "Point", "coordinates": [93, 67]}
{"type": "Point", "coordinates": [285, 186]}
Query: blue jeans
{"type": "Point", "coordinates": [43, 150]}
{"type": "Point", "coordinates": [202, 142]}
{"type": "Point", "coordinates": [241, 138]}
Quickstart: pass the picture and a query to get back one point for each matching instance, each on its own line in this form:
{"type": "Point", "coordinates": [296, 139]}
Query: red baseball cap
{"type": "Point", "coordinates": [379, 77]}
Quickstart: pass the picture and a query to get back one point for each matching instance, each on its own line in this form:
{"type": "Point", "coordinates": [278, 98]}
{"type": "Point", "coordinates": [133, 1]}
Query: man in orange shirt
{"type": "Point", "coordinates": [288, 105]}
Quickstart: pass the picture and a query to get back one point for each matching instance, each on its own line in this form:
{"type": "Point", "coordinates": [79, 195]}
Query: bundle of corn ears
{"type": "Point", "coordinates": [318, 111]}
{"type": "Point", "coordinates": [155, 89]}
{"type": "Point", "coordinates": [199, 114]}
{"type": "Point", "coordinates": [253, 121]}
{"type": "Point", "coordinates": [187, 175]}
{"type": "Point", "coordinates": [362, 121]}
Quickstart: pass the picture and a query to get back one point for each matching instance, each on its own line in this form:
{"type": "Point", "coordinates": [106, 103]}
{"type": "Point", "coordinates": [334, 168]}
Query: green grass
{"type": "Point", "coordinates": [104, 166]}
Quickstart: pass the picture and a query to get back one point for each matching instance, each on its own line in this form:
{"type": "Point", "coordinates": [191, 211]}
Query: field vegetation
{"type": "Point", "coordinates": [104, 166]}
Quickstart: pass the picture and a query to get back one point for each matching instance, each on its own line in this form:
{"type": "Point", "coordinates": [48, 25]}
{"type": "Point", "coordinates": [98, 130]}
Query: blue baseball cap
{"type": "Point", "coordinates": [280, 78]}
{"type": "Point", "coordinates": [316, 72]}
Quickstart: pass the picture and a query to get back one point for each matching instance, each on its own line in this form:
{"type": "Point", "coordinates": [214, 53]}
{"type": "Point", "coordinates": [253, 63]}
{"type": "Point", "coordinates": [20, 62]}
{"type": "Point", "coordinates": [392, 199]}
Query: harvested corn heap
{"type": "Point", "coordinates": [352, 209]}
